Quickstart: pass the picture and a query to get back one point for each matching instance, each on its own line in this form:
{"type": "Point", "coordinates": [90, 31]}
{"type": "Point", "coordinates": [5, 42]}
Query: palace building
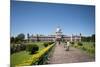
{"type": "Point", "coordinates": [57, 37]}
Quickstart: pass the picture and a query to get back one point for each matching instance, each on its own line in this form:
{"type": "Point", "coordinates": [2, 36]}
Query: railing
{"type": "Point", "coordinates": [39, 58]}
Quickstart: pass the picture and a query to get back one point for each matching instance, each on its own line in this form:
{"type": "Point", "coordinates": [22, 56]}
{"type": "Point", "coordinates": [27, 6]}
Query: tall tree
{"type": "Point", "coordinates": [28, 36]}
{"type": "Point", "coordinates": [12, 40]}
{"type": "Point", "coordinates": [20, 37]}
{"type": "Point", "coordinates": [89, 38]}
{"type": "Point", "coordinates": [93, 38]}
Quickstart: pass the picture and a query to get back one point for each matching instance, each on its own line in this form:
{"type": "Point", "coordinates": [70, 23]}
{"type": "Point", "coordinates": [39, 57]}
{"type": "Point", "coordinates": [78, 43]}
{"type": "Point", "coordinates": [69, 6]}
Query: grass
{"type": "Point", "coordinates": [19, 57]}
{"type": "Point", "coordinates": [35, 57]}
{"type": "Point", "coordinates": [88, 47]}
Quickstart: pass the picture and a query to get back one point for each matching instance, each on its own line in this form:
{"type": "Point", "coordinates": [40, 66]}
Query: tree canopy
{"type": "Point", "coordinates": [18, 39]}
{"type": "Point", "coordinates": [89, 38]}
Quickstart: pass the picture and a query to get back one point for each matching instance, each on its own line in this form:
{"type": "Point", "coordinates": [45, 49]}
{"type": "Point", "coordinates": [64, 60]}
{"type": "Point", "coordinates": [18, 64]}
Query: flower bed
{"type": "Point", "coordinates": [36, 57]}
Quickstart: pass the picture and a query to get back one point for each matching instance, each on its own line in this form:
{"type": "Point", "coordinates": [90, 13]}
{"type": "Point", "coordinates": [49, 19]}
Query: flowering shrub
{"type": "Point", "coordinates": [36, 57]}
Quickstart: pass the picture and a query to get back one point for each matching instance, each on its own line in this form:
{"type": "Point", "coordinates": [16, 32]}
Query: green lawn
{"type": "Point", "coordinates": [88, 47]}
{"type": "Point", "coordinates": [19, 57]}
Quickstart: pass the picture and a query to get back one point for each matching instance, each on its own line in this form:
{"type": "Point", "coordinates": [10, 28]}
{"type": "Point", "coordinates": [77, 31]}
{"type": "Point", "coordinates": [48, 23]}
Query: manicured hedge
{"type": "Point", "coordinates": [72, 42]}
{"type": "Point", "coordinates": [80, 44]}
{"type": "Point", "coordinates": [36, 56]}
{"type": "Point", "coordinates": [32, 48]}
{"type": "Point", "coordinates": [51, 43]}
{"type": "Point", "coordinates": [17, 47]}
{"type": "Point", "coordinates": [47, 43]}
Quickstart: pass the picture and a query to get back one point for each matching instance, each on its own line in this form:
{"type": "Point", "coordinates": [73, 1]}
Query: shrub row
{"type": "Point", "coordinates": [50, 43]}
{"type": "Point", "coordinates": [80, 44]}
{"type": "Point", "coordinates": [32, 48]}
{"type": "Point", "coordinates": [36, 56]}
{"type": "Point", "coordinates": [47, 43]}
{"type": "Point", "coordinates": [72, 43]}
{"type": "Point", "coordinates": [17, 47]}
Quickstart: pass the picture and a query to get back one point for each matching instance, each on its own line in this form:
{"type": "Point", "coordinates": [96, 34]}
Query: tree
{"type": "Point", "coordinates": [93, 38]}
{"type": "Point", "coordinates": [21, 37]}
{"type": "Point", "coordinates": [89, 38]}
{"type": "Point", "coordinates": [28, 36]}
{"type": "Point", "coordinates": [17, 40]}
{"type": "Point", "coordinates": [12, 40]}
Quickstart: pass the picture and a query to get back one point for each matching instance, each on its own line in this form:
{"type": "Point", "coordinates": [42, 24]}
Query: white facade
{"type": "Point", "coordinates": [58, 36]}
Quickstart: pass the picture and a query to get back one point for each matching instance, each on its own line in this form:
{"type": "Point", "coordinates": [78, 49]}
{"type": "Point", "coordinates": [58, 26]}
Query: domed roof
{"type": "Point", "coordinates": [58, 29]}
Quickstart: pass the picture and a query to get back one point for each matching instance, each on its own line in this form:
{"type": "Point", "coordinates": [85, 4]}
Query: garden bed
{"type": "Point", "coordinates": [24, 58]}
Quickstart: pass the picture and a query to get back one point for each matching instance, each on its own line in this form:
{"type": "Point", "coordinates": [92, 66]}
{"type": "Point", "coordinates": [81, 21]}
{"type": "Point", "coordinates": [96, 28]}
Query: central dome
{"type": "Point", "coordinates": [58, 29]}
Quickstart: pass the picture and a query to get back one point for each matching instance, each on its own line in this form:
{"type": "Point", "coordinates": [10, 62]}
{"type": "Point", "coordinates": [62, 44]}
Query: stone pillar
{"type": "Point", "coordinates": [80, 37]}
{"type": "Point", "coordinates": [76, 38]}
{"type": "Point", "coordinates": [28, 37]}
{"type": "Point", "coordinates": [71, 37]}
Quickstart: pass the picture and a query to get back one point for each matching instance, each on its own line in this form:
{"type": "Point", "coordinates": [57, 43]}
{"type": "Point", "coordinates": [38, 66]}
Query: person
{"type": "Point", "coordinates": [67, 46]}
{"type": "Point", "coordinates": [59, 42]}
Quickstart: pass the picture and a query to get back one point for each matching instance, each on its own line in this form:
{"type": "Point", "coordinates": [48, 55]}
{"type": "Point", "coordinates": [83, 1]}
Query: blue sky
{"type": "Point", "coordinates": [43, 18]}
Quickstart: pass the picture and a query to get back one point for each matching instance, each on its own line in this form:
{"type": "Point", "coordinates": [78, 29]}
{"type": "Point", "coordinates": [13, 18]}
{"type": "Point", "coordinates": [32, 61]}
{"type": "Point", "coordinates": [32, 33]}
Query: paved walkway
{"type": "Point", "coordinates": [72, 56]}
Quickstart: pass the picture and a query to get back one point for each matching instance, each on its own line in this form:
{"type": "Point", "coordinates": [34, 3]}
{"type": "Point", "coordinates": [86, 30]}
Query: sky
{"type": "Point", "coordinates": [43, 18]}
